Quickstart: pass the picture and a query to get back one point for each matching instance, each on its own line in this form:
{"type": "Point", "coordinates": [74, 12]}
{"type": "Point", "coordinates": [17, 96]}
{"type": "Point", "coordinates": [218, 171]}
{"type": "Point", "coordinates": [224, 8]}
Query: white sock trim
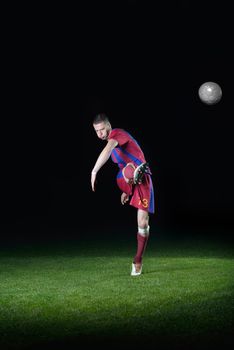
{"type": "Point", "coordinates": [144, 231]}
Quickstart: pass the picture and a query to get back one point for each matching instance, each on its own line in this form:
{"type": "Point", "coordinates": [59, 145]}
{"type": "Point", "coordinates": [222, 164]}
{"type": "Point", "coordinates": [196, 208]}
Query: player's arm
{"type": "Point", "coordinates": [102, 159]}
{"type": "Point", "coordinates": [124, 197]}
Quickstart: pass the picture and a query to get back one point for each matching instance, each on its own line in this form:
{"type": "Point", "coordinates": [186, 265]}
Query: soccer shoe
{"type": "Point", "coordinates": [139, 172]}
{"type": "Point", "coordinates": [136, 270]}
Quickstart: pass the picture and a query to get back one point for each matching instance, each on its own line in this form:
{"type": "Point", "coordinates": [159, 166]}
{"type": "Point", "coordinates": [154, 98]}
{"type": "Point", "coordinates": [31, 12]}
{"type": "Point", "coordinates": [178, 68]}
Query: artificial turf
{"type": "Point", "coordinates": [71, 293]}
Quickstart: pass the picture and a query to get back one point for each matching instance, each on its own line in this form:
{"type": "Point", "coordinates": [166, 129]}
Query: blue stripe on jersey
{"type": "Point", "coordinates": [118, 158]}
{"type": "Point", "coordinates": [151, 205]}
{"type": "Point", "coordinates": [136, 160]}
{"type": "Point", "coordinates": [120, 174]}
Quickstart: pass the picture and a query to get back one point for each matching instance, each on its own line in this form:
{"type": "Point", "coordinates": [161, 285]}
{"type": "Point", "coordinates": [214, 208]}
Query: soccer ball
{"type": "Point", "coordinates": [210, 93]}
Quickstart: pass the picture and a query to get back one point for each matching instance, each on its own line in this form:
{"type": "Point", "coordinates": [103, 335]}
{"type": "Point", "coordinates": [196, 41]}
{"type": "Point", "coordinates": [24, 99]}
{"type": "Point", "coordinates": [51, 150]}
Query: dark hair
{"type": "Point", "coordinates": [99, 118]}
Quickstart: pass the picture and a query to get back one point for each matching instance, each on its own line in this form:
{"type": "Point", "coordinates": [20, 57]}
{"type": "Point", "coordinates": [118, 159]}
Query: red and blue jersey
{"type": "Point", "coordinates": [129, 151]}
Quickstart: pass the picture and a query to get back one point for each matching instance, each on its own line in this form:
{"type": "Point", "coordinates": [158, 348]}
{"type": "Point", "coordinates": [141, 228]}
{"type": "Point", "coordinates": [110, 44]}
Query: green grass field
{"type": "Point", "coordinates": [80, 292]}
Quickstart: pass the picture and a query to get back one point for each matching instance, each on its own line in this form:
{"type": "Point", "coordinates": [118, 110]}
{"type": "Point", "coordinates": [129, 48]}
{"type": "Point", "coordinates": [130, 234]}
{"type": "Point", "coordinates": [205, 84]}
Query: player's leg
{"type": "Point", "coordinates": [128, 173]}
{"type": "Point", "coordinates": [133, 174]}
{"type": "Point", "coordinates": [142, 238]}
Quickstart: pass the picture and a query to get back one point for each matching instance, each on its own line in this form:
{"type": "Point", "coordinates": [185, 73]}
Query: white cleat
{"type": "Point", "coordinates": [136, 270]}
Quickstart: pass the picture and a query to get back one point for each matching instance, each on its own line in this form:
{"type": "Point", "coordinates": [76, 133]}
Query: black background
{"type": "Point", "coordinates": [142, 64]}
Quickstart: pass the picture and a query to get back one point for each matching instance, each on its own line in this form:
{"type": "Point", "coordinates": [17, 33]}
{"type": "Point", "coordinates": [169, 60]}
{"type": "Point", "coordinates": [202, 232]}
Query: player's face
{"type": "Point", "coordinates": [102, 130]}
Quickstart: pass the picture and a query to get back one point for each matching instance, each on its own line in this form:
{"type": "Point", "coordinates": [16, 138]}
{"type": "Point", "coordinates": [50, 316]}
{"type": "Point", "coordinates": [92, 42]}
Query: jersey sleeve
{"type": "Point", "coordinates": [120, 136]}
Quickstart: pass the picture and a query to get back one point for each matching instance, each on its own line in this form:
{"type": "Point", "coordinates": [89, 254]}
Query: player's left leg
{"type": "Point", "coordinates": [142, 238]}
{"type": "Point", "coordinates": [133, 174]}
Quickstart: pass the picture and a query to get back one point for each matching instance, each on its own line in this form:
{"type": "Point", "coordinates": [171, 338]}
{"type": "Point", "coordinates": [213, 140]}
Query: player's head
{"type": "Point", "coordinates": [102, 126]}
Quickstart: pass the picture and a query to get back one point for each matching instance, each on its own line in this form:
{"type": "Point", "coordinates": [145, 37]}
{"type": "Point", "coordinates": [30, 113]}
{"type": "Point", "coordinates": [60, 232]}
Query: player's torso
{"type": "Point", "coordinates": [128, 150]}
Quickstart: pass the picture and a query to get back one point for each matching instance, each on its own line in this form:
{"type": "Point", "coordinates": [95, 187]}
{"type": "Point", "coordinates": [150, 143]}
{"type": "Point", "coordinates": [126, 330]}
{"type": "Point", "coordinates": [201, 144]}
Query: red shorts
{"type": "Point", "coordinates": [142, 194]}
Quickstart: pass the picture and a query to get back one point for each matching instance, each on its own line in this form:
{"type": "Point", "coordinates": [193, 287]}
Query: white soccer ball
{"type": "Point", "coordinates": [210, 93]}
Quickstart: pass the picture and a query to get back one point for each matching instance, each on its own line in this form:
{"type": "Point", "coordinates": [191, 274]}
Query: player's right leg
{"type": "Point", "coordinates": [142, 238]}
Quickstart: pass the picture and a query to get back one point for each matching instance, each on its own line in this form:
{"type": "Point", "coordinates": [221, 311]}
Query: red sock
{"type": "Point", "coordinates": [141, 244]}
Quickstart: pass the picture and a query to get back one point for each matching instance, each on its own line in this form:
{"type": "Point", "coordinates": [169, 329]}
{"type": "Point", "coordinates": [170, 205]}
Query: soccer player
{"type": "Point", "coordinates": [133, 178]}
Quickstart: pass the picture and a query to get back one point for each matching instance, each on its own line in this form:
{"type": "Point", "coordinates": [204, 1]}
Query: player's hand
{"type": "Point", "coordinates": [93, 180]}
{"type": "Point", "coordinates": [124, 198]}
